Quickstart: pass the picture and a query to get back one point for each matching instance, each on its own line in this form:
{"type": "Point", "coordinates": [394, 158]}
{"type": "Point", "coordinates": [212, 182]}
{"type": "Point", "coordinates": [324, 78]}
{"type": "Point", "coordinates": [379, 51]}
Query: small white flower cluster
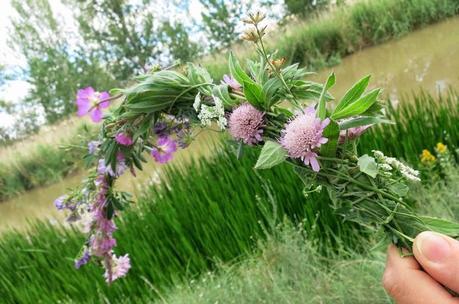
{"type": "Point", "coordinates": [208, 113]}
{"type": "Point", "coordinates": [389, 163]}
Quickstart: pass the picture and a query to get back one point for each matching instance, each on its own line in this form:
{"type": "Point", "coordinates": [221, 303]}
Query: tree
{"type": "Point", "coordinates": [220, 21]}
{"type": "Point", "coordinates": [178, 42]}
{"type": "Point", "coordinates": [305, 7]}
{"type": "Point", "coordinates": [56, 69]}
{"type": "Point", "coordinates": [121, 33]}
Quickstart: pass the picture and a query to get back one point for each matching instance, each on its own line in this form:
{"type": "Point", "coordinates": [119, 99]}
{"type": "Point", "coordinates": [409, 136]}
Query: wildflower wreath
{"type": "Point", "coordinates": [270, 106]}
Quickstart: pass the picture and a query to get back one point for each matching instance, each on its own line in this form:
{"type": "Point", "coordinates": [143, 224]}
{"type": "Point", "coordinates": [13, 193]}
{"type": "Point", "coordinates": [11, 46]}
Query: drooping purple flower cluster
{"type": "Point", "coordinates": [119, 267]}
{"type": "Point", "coordinates": [246, 124]}
{"type": "Point", "coordinates": [93, 146]}
{"type": "Point", "coordinates": [92, 102]}
{"type": "Point", "coordinates": [121, 166]}
{"type": "Point", "coordinates": [302, 137]}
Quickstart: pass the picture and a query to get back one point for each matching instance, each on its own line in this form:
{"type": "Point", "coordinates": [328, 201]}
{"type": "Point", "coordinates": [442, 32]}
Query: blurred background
{"type": "Point", "coordinates": [51, 48]}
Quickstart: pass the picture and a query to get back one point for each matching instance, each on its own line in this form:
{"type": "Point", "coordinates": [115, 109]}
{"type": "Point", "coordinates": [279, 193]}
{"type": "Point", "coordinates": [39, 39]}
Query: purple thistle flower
{"type": "Point", "coordinates": [91, 102]}
{"type": "Point", "coordinates": [123, 139]}
{"type": "Point", "coordinates": [164, 150]}
{"type": "Point", "coordinates": [93, 146]}
{"type": "Point", "coordinates": [351, 133]}
{"type": "Point", "coordinates": [59, 202]}
{"type": "Point", "coordinates": [231, 82]}
{"type": "Point", "coordinates": [302, 137]}
{"type": "Point", "coordinates": [83, 260]}
{"type": "Point", "coordinates": [119, 268]}
{"type": "Point", "coordinates": [245, 123]}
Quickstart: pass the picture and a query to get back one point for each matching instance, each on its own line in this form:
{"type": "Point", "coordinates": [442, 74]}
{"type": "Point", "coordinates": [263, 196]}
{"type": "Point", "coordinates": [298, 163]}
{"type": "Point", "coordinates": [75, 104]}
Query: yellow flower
{"type": "Point", "coordinates": [427, 158]}
{"type": "Point", "coordinates": [441, 148]}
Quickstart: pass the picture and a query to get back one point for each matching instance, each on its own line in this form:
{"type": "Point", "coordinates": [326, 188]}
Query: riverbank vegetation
{"type": "Point", "coordinates": [324, 41]}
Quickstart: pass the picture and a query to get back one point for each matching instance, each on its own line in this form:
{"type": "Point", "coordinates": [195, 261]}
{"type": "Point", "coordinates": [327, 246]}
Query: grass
{"type": "Point", "coordinates": [288, 269]}
{"type": "Point", "coordinates": [186, 229]}
{"type": "Point", "coordinates": [324, 41]}
{"type": "Point", "coordinates": [176, 232]}
{"type": "Point", "coordinates": [42, 164]}
{"type": "Point", "coordinates": [420, 123]}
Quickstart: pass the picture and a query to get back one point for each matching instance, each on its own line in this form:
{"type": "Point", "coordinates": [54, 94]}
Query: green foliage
{"type": "Point", "coordinates": [122, 33]}
{"type": "Point", "coordinates": [56, 69]}
{"type": "Point", "coordinates": [44, 165]}
{"type": "Point", "coordinates": [305, 7]}
{"type": "Point", "coordinates": [324, 41]}
{"type": "Point", "coordinates": [419, 123]}
{"type": "Point", "coordinates": [220, 20]}
{"type": "Point", "coordinates": [176, 38]}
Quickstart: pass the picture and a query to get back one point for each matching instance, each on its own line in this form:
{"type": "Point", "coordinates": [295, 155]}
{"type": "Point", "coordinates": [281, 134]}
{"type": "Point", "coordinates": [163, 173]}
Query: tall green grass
{"type": "Point", "coordinates": [420, 123]}
{"type": "Point", "coordinates": [324, 41]}
{"type": "Point", "coordinates": [210, 211]}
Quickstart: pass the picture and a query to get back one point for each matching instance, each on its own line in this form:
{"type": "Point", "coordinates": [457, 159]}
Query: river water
{"type": "Point", "coordinates": [428, 58]}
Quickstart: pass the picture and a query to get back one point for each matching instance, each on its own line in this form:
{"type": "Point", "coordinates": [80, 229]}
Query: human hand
{"type": "Point", "coordinates": [422, 280]}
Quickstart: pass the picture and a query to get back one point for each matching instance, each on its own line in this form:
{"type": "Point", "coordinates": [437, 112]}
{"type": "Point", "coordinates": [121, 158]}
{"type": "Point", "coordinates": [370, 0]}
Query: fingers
{"type": "Point", "coordinates": [439, 256]}
{"type": "Point", "coordinates": [405, 281]}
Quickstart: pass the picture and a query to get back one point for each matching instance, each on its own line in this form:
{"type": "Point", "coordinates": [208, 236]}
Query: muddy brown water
{"type": "Point", "coordinates": [428, 59]}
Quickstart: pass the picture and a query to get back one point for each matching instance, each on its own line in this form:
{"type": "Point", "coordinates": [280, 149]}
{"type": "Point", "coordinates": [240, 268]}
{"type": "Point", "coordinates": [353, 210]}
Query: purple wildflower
{"type": "Point", "coordinates": [164, 150]}
{"type": "Point", "coordinates": [231, 82]}
{"type": "Point", "coordinates": [351, 133]}
{"type": "Point", "coordinates": [83, 260]}
{"type": "Point", "coordinates": [161, 129]}
{"type": "Point", "coordinates": [91, 102]}
{"type": "Point", "coordinates": [302, 137]}
{"type": "Point", "coordinates": [59, 202]}
{"type": "Point", "coordinates": [119, 268]}
{"type": "Point", "coordinates": [93, 146]}
{"type": "Point", "coordinates": [124, 139]}
{"type": "Point", "coordinates": [245, 123]}
{"type": "Point", "coordinates": [121, 166]}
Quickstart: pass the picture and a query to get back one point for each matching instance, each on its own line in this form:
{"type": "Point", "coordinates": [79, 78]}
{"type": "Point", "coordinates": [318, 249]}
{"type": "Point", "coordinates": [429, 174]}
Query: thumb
{"type": "Point", "coordinates": [439, 256]}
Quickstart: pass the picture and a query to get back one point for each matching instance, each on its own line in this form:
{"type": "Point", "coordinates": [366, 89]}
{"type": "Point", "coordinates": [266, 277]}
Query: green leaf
{"type": "Point", "coordinates": [441, 225]}
{"type": "Point", "coordinates": [271, 155]}
{"type": "Point", "coordinates": [236, 71]}
{"type": "Point", "coordinates": [221, 91]}
{"type": "Point", "coordinates": [254, 93]}
{"type": "Point", "coordinates": [359, 106]}
{"type": "Point", "coordinates": [354, 93]}
{"type": "Point", "coordinates": [367, 165]}
{"type": "Point", "coordinates": [322, 111]}
{"type": "Point", "coordinates": [399, 188]}
{"type": "Point", "coordinates": [332, 133]}
{"type": "Point", "coordinates": [362, 121]}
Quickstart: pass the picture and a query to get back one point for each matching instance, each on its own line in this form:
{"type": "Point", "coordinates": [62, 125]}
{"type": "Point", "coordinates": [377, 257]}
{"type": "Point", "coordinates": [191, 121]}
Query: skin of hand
{"type": "Point", "coordinates": [422, 279]}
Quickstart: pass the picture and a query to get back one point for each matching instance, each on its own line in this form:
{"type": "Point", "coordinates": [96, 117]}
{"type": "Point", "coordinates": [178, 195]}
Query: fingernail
{"type": "Point", "coordinates": [433, 247]}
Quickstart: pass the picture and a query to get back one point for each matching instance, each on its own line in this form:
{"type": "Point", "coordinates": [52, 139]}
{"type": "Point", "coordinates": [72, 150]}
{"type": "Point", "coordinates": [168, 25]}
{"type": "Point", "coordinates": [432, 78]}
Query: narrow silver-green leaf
{"type": "Point", "coordinates": [271, 155]}
{"type": "Point", "coordinates": [359, 106]}
{"type": "Point", "coordinates": [367, 165]}
{"type": "Point", "coordinates": [322, 111]}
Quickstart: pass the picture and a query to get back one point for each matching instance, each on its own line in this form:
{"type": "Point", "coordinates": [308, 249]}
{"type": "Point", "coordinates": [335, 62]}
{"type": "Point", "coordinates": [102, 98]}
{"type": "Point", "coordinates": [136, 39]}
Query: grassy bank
{"type": "Point", "coordinates": [41, 164]}
{"type": "Point", "coordinates": [324, 41]}
{"type": "Point", "coordinates": [188, 228]}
